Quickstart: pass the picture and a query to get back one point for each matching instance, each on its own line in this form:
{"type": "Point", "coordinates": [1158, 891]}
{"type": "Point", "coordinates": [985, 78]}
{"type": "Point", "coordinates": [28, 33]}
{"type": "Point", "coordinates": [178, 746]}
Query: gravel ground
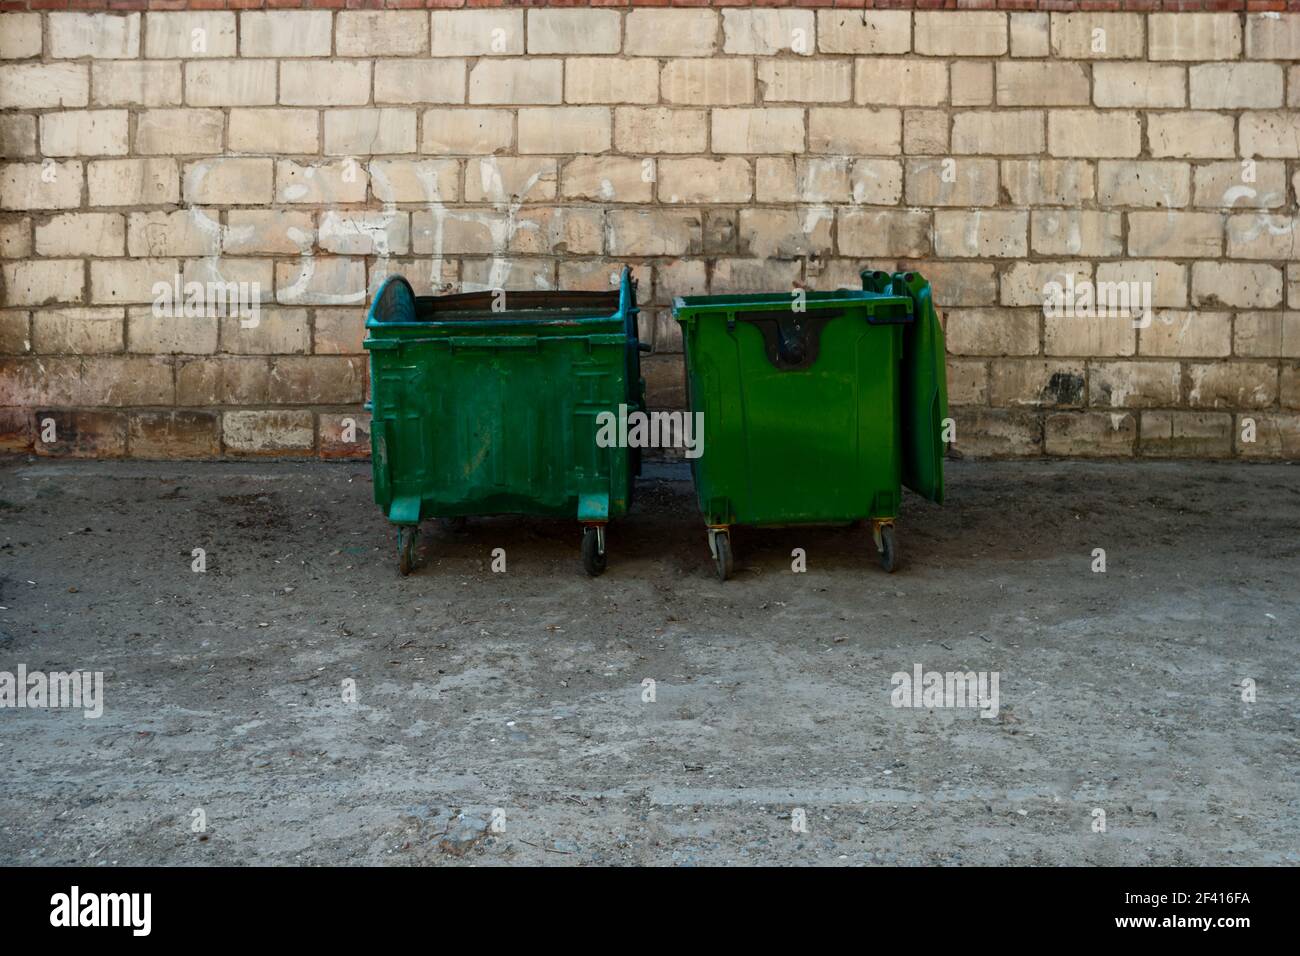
{"type": "Point", "coordinates": [317, 708]}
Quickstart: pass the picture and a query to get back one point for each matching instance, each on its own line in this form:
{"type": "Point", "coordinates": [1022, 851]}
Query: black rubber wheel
{"type": "Point", "coordinates": [454, 525]}
{"type": "Point", "coordinates": [888, 549]}
{"type": "Point", "coordinates": [592, 558]}
{"type": "Point", "coordinates": [722, 560]}
{"type": "Point", "coordinates": [407, 535]}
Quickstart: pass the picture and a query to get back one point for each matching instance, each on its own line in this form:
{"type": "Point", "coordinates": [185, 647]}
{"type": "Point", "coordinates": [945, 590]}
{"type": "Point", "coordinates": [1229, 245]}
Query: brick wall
{"type": "Point", "coordinates": [312, 152]}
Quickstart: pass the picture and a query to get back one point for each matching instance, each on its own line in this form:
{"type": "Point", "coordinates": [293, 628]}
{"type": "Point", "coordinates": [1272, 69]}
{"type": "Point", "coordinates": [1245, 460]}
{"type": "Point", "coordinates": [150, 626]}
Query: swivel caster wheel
{"type": "Point", "coordinates": [887, 545]}
{"type": "Point", "coordinates": [593, 550]}
{"type": "Point", "coordinates": [720, 545]}
{"type": "Point", "coordinates": [407, 537]}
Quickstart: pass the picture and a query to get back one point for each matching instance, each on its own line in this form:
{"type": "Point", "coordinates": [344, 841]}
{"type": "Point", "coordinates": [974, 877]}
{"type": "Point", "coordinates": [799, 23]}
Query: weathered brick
{"type": "Point", "coordinates": [1275, 435]}
{"type": "Point", "coordinates": [317, 380]}
{"type": "Point", "coordinates": [1166, 281]}
{"type": "Point", "coordinates": [1272, 134]}
{"type": "Point", "coordinates": [1175, 235]}
{"type": "Point", "coordinates": [901, 82]}
{"type": "Point", "coordinates": [569, 129]}
{"type": "Point", "coordinates": [785, 233]}
{"type": "Point", "coordinates": [805, 81]}
{"type": "Point", "coordinates": [230, 83]}
{"type": "Point", "coordinates": [31, 186]}
{"type": "Point", "coordinates": [228, 181]}
{"type": "Point", "coordinates": [573, 31]}
{"type": "Point", "coordinates": [189, 34]}
{"type": "Point", "coordinates": [951, 182]}
{"type": "Point", "coordinates": [660, 130]}
{"type": "Point", "coordinates": [844, 130]}
{"type": "Point", "coordinates": [178, 131]}
{"type": "Point", "coordinates": [991, 331]}
{"type": "Point", "coordinates": [84, 133]}
{"type": "Point", "coordinates": [259, 231]}
{"type": "Point", "coordinates": [709, 82]}
{"type": "Point", "coordinates": [1139, 85]}
{"type": "Point", "coordinates": [185, 232]}
{"type": "Point", "coordinates": [151, 331]}
{"type": "Point", "coordinates": [322, 280]}
{"type": "Point", "coordinates": [704, 180]}
{"type": "Point", "coordinates": [369, 132]}
{"type": "Point", "coordinates": [871, 32]}
{"type": "Point", "coordinates": [765, 32]}
{"type": "Point", "coordinates": [1179, 434]}
{"type": "Point", "coordinates": [671, 33]}
{"type": "Point", "coordinates": [1258, 235]}
{"type": "Point", "coordinates": [972, 83]}
{"type": "Point", "coordinates": [1030, 35]}
{"type": "Point", "coordinates": [1093, 36]}
{"type": "Point", "coordinates": [1090, 434]}
{"type": "Point", "coordinates": [1250, 184]}
{"type": "Point", "coordinates": [17, 136]}
{"type": "Point", "coordinates": [884, 232]}
{"type": "Point", "coordinates": [381, 32]}
{"type": "Point", "coordinates": [136, 83]}
{"type": "Point", "coordinates": [1190, 134]}
{"type": "Point", "coordinates": [344, 435]}
{"type": "Point", "coordinates": [102, 36]}
{"type": "Point", "coordinates": [339, 332]}
{"type": "Point", "coordinates": [1134, 384]}
{"type": "Point", "coordinates": [420, 81]}
{"type": "Point", "coordinates": [466, 132]}
{"type": "Point", "coordinates": [960, 33]}
{"type": "Point", "coordinates": [129, 280]}
{"type": "Point", "coordinates": [993, 131]}
{"type": "Point", "coordinates": [324, 82]}
{"type": "Point", "coordinates": [594, 79]}
{"type": "Point", "coordinates": [15, 238]}
{"type": "Point", "coordinates": [422, 181]}
{"type": "Point", "coordinates": [752, 275]}
{"type": "Point", "coordinates": [1226, 86]}
{"type": "Point", "coordinates": [82, 434]}
{"type": "Point", "coordinates": [127, 380]}
{"type": "Point", "coordinates": [1076, 232]}
{"type": "Point", "coordinates": [504, 179]}
{"type": "Point", "coordinates": [364, 233]}
{"type": "Point", "coordinates": [1042, 84]}
{"type": "Point", "coordinates": [81, 234]}
{"type": "Point", "coordinates": [277, 332]}
{"type": "Point", "coordinates": [984, 233]}
{"type": "Point", "coordinates": [1232, 385]}
{"type": "Point", "coordinates": [43, 281]}
{"type": "Point", "coordinates": [606, 179]}
{"type": "Point", "coordinates": [273, 131]}
{"type": "Point", "coordinates": [516, 81]}
{"type": "Point", "coordinates": [765, 130]}
{"type": "Point", "coordinates": [478, 32]}
{"type": "Point", "coordinates": [1187, 334]}
{"type": "Point", "coordinates": [925, 132]}
{"type": "Point", "coordinates": [1047, 182]}
{"type": "Point", "coordinates": [78, 331]}
{"type": "Point", "coordinates": [1273, 36]}
{"type": "Point", "coordinates": [1236, 285]}
{"type": "Point", "coordinates": [268, 432]}
{"type": "Point", "coordinates": [132, 182]}
{"type": "Point", "coordinates": [1025, 282]}
{"type": "Point", "coordinates": [1091, 133]}
{"type": "Point", "coordinates": [1160, 185]}
{"type": "Point", "coordinates": [21, 36]}
{"type": "Point", "coordinates": [1086, 336]}
{"type": "Point", "coordinates": [1195, 36]}
{"type": "Point", "coordinates": [285, 33]}
{"type": "Point", "coordinates": [173, 434]}
{"type": "Point", "coordinates": [1037, 383]}
{"type": "Point", "coordinates": [1267, 334]}
{"type": "Point", "coordinates": [997, 433]}
{"type": "Point", "coordinates": [43, 85]}
{"type": "Point", "coordinates": [222, 380]}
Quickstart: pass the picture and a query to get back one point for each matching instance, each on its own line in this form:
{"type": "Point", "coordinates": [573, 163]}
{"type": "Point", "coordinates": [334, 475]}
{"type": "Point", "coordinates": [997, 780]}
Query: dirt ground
{"type": "Point", "coordinates": [501, 717]}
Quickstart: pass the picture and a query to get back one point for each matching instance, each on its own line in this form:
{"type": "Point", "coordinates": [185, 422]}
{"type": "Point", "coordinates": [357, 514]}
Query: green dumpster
{"type": "Point", "coordinates": [817, 406]}
{"type": "Point", "coordinates": [485, 403]}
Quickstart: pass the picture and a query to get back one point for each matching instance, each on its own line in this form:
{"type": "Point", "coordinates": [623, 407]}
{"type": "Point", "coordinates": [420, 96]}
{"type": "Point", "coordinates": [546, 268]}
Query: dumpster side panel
{"type": "Point", "coordinates": [501, 424]}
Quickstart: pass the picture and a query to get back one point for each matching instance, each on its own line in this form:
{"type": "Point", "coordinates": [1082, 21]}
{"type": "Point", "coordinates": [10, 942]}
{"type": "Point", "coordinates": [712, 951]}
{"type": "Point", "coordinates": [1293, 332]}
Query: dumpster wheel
{"type": "Point", "coordinates": [887, 545]}
{"type": "Point", "coordinates": [720, 545]}
{"type": "Point", "coordinates": [593, 549]}
{"type": "Point", "coordinates": [407, 536]}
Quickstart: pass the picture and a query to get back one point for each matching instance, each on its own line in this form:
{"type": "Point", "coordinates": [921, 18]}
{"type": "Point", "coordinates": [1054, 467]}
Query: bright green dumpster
{"type": "Point", "coordinates": [817, 406]}
{"type": "Point", "coordinates": [485, 403]}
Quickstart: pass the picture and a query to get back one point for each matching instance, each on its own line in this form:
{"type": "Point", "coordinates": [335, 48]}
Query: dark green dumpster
{"type": "Point", "coordinates": [485, 403]}
{"type": "Point", "coordinates": [818, 406]}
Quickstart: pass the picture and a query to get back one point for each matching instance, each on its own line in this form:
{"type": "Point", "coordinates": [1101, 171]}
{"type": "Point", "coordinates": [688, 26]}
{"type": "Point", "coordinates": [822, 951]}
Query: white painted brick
{"type": "Point", "coordinates": [285, 33]}
{"type": "Point", "coordinates": [104, 36]}
{"type": "Point", "coordinates": [189, 34]}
